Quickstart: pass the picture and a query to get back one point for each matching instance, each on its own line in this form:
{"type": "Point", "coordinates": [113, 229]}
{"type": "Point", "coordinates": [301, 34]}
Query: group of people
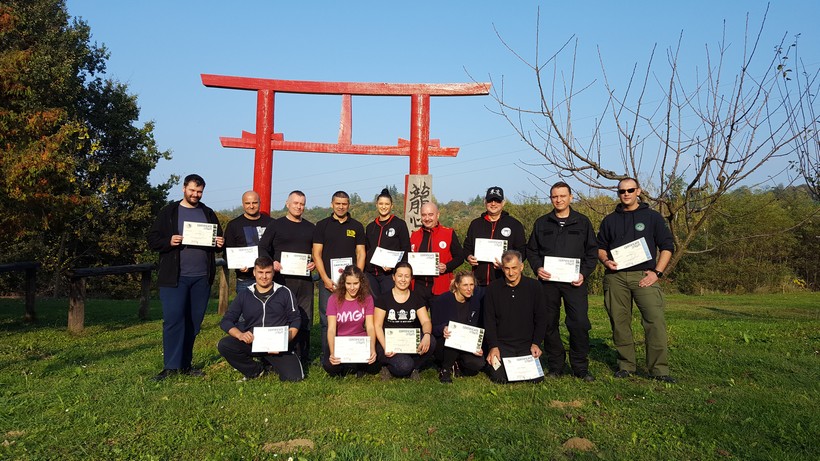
{"type": "Point", "coordinates": [362, 300]}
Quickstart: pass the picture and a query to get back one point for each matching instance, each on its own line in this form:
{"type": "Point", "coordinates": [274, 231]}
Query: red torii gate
{"type": "Point", "coordinates": [265, 140]}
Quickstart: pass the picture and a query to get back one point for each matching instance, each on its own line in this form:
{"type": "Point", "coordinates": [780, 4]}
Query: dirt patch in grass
{"type": "Point", "coordinates": [570, 404]}
{"type": "Point", "coordinates": [579, 444]}
{"type": "Point", "coordinates": [289, 446]}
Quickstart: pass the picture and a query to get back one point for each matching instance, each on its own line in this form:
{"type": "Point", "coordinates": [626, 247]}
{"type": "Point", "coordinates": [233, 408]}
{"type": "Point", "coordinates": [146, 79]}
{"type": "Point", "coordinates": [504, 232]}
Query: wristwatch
{"type": "Point", "coordinates": [658, 273]}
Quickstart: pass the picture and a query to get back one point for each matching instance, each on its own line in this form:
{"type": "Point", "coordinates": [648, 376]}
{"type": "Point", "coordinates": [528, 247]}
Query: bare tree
{"type": "Point", "coordinates": [804, 120]}
{"type": "Point", "coordinates": [689, 140]}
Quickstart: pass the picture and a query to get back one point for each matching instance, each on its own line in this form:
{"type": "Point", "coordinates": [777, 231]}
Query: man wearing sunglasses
{"type": "Point", "coordinates": [633, 222]}
{"type": "Point", "coordinates": [495, 224]}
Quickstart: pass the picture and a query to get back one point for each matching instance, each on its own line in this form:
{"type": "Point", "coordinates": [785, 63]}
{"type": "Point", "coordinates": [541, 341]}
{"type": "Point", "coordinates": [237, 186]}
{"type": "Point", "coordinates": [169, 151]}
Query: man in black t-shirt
{"type": "Point", "coordinates": [338, 241]}
{"type": "Point", "coordinates": [293, 234]}
{"type": "Point", "coordinates": [245, 231]}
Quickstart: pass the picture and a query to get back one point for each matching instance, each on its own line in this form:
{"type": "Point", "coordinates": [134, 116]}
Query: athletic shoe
{"type": "Point", "coordinates": [164, 374]}
{"type": "Point", "coordinates": [445, 376]}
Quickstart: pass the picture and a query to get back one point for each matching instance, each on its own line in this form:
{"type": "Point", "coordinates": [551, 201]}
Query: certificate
{"type": "Point", "coordinates": [239, 258]}
{"type": "Point", "coordinates": [631, 254]}
{"type": "Point", "coordinates": [352, 349]}
{"type": "Point", "coordinates": [488, 250]}
{"type": "Point", "coordinates": [465, 338]}
{"type": "Point", "coordinates": [294, 263]}
{"type": "Point", "coordinates": [522, 368]}
{"type": "Point", "coordinates": [562, 269]}
{"type": "Point", "coordinates": [270, 339]}
{"type": "Point", "coordinates": [402, 340]}
{"type": "Point", "coordinates": [423, 263]}
{"type": "Point", "coordinates": [337, 266]}
{"type": "Point", "coordinates": [386, 258]}
{"type": "Point", "coordinates": [199, 233]}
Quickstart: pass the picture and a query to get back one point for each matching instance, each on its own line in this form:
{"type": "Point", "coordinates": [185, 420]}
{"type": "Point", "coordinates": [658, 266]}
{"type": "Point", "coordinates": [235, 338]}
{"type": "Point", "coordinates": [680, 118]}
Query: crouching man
{"type": "Point", "coordinates": [263, 304]}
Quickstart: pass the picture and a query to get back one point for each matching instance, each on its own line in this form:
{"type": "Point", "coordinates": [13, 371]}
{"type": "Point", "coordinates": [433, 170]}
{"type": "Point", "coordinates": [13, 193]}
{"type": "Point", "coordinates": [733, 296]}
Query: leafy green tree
{"type": "Point", "coordinates": [74, 165]}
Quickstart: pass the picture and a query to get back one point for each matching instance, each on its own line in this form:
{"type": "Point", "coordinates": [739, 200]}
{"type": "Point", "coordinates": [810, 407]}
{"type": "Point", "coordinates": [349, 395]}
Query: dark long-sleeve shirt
{"type": "Point", "coordinates": [515, 317]}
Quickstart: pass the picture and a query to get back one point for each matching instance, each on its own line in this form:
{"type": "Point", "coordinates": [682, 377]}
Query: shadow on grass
{"type": "Point", "coordinates": [600, 351]}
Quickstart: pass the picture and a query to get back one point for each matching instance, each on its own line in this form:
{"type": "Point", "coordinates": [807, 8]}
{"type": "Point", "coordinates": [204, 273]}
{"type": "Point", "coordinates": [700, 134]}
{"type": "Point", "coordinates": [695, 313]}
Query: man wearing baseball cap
{"type": "Point", "coordinates": [494, 224]}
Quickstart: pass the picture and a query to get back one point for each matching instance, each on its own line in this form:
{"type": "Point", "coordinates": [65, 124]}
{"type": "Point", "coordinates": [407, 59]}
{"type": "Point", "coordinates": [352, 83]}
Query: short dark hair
{"type": "Point", "coordinates": [559, 185]}
{"type": "Point", "coordinates": [508, 255]}
{"type": "Point", "coordinates": [341, 194]}
{"type": "Point", "coordinates": [296, 192]}
{"type": "Point", "coordinates": [629, 178]}
{"type": "Point", "coordinates": [197, 179]}
{"type": "Point", "coordinates": [263, 262]}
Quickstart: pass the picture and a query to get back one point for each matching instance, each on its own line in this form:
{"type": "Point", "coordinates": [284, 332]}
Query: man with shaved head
{"type": "Point", "coordinates": [432, 237]}
{"type": "Point", "coordinates": [245, 231]}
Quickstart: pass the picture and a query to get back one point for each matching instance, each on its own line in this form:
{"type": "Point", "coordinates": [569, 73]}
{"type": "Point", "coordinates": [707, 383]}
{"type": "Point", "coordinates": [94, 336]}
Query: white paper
{"type": "Point", "coordinates": [488, 250]}
{"type": "Point", "coordinates": [402, 340]}
{"type": "Point", "coordinates": [352, 349]}
{"type": "Point", "coordinates": [522, 368]}
{"type": "Point", "coordinates": [631, 254]}
{"type": "Point", "coordinates": [463, 337]}
{"type": "Point", "coordinates": [337, 266]}
{"type": "Point", "coordinates": [242, 257]}
{"type": "Point", "coordinates": [294, 263]}
{"type": "Point", "coordinates": [423, 263]}
{"type": "Point", "coordinates": [562, 269]}
{"type": "Point", "coordinates": [270, 339]}
{"type": "Point", "coordinates": [386, 258]}
{"type": "Point", "coordinates": [198, 233]}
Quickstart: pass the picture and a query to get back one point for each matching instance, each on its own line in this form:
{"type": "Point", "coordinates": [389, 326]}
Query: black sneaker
{"type": "Point", "coordinates": [665, 379]}
{"type": "Point", "coordinates": [457, 371]}
{"type": "Point", "coordinates": [586, 377]}
{"type": "Point", "coordinates": [195, 372]}
{"type": "Point", "coordinates": [414, 375]}
{"type": "Point", "coordinates": [360, 374]}
{"type": "Point", "coordinates": [445, 376]}
{"type": "Point", "coordinates": [622, 374]}
{"type": "Point", "coordinates": [164, 374]}
{"type": "Point", "coordinates": [553, 374]}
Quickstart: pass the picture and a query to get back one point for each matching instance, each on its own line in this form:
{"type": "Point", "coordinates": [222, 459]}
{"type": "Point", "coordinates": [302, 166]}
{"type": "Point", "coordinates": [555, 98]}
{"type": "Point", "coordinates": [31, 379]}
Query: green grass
{"type": "Point", "coordinates": [748, 369]}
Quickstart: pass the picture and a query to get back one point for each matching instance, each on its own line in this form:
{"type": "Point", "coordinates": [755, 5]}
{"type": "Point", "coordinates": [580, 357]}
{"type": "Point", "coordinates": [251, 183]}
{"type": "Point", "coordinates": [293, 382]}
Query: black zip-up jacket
{"type": "Point", "coordinates": [390, 234]}
{"type": "Point", "coordinates": [482, 227]}
{"type": "Point", "coordinates": [277, 311]}
{"type": "Point", "coordinates": [575, 239]}
{"type": "Point", "coordinates": [159, 239]}
{"type": "Point", "coordinates": [622, 227]}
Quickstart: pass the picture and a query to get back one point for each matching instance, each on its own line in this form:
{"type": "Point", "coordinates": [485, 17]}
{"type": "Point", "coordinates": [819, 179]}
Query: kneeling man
{"type": "Point", "coordinates": [515, 316]}
{"type": "Point", "coordinates": [263, 304]}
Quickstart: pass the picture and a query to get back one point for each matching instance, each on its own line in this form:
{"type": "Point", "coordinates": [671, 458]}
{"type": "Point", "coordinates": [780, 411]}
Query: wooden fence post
{"type": "Point", "coordinates": [31, 289]}
{"type": "Point", "coordinates": [145, 294]}
{"type": "Point", "coordinates": [223, 290]}
{"type": "Point", "coordinates": [76, 305]}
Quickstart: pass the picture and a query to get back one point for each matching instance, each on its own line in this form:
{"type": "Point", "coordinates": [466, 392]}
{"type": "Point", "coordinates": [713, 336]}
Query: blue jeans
{"type": "Point", "coordinates": [243, 284]}
{"type": "Point", "coordinates": [183, 309]}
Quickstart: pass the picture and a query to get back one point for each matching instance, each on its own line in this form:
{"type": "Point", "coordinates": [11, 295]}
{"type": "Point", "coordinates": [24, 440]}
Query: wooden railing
{"type": "Point", "coordinates": [30, 268]}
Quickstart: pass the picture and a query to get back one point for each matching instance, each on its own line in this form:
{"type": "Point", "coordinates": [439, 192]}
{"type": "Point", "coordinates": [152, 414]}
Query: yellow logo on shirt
{"type": "Point", "coordinates": [351, 233]}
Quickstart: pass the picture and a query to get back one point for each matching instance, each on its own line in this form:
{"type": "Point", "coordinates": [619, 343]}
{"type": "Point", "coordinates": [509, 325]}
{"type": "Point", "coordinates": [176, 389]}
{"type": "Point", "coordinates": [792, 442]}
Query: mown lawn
{"type": "Point", "coordinates": [748, 370]}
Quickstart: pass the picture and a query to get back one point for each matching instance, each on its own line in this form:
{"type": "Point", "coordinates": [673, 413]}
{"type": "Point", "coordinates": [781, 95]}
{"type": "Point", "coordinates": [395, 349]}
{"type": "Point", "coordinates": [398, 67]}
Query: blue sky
{"type": "Point", "coordinates": [160, 48]}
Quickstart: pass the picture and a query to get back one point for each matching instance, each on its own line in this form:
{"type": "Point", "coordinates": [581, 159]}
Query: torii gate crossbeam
{"type": "Point", "coordinates": [419, 148]}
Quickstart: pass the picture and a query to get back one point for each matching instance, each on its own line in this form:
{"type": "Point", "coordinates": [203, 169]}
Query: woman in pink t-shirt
{"type": "Point", "coordinates": [350, 314]}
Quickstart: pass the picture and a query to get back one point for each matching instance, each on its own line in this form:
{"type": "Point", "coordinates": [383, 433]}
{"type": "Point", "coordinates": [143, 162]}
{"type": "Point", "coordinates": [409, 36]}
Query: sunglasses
{"type": "Point", "coordinates": [494, 200]}
{"type": "Point", "coordinates": [627, 191]}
